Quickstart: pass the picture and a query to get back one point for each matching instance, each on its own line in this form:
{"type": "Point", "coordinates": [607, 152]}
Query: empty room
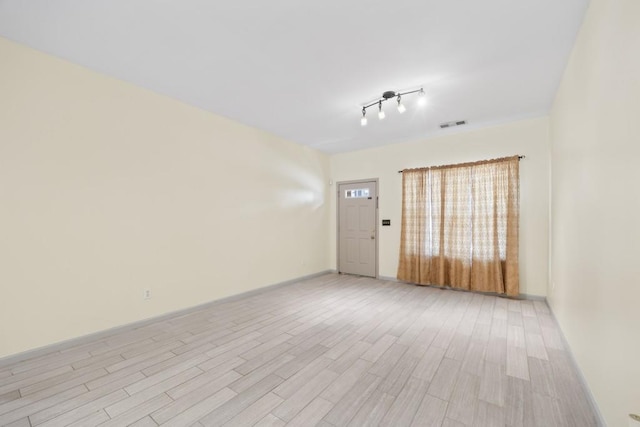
{"type": "Point", "coordinates": [413, 213]}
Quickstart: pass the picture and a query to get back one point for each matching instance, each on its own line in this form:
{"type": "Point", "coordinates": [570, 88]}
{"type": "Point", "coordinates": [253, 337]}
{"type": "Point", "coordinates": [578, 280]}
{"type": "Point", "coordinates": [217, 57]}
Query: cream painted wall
{"type": "Point", "coordinates": [595, 233]}
{"type": "Point", "coordinates": [528, 137]}
{"type": "Point", "coordinates": [107, 189]}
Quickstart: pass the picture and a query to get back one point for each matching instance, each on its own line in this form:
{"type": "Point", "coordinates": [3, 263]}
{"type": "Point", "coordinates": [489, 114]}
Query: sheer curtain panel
{"type": "Point", "coordinates": [460, 226]}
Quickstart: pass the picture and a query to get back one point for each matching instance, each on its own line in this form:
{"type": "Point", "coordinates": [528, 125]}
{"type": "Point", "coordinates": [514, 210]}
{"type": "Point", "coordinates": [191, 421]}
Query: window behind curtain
{"type": "Point", "coordinates": [460, 226]}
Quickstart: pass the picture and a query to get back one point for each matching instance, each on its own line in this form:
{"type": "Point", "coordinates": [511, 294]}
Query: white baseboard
{"type": "Point", "coordinates": [583, 381]}
{"type": "Point", "coordinates": [521, 296]}
{"type": "Point", "coordinates": [72, 342]}
{"type": "Point", "coordinates": [581, 377]}
{"type": "Point", "coordinates": [40, 351]}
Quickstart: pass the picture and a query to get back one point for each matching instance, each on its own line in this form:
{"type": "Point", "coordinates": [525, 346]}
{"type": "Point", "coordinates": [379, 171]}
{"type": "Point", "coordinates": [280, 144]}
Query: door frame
{"type": "Point", "coordinates": [377, 205]}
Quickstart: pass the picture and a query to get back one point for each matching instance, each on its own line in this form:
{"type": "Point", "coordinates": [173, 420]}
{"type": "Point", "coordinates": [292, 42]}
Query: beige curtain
{"type": "Point", "coordinates": [460, 226]}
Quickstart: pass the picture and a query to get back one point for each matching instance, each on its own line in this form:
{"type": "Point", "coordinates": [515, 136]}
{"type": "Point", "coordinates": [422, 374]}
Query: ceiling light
{"type": "Point", "coordinates": [401, 107]}
{"type": "Point", "coordinates": [422, 99]}
{"type": "Point", "coordinates": [387, 96]}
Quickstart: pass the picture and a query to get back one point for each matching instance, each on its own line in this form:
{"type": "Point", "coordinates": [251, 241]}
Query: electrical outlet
{"type": "Point", "coordinates": [147, 294]}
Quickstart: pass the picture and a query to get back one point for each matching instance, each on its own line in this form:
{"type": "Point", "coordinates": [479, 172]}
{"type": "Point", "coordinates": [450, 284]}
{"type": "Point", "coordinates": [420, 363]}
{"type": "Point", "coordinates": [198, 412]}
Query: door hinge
{"type": "Point", "coordinates": [377, 200]}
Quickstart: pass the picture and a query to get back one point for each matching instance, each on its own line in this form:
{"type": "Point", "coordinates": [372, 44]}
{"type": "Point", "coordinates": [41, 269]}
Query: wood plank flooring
{"type": "Point", "coordinates": [330, 351]}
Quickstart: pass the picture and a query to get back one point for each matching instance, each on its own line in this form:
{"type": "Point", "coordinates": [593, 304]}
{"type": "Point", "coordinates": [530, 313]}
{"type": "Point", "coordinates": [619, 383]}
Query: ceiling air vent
{"type": "Point", "coordinates": [452, 124]}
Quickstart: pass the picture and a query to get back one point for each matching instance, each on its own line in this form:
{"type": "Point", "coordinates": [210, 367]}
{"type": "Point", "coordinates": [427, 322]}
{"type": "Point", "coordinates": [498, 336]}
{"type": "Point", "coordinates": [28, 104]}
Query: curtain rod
{"type": "Point", "coordinates": [519, 158]}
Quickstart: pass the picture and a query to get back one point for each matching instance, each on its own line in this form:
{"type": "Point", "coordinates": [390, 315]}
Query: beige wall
{"type": "Point", "coordinates": [529, 137]}
{"type": "Point", "coordinates": [107, 189]}
{"type": "Point", "coordinates": [595, 239]}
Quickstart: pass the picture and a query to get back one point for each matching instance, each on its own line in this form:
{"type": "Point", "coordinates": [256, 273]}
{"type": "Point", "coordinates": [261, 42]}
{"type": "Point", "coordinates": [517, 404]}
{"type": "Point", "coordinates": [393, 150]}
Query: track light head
{"type": "Point", "coordinates": [381, 114]}
{"type": "Point", "coordinates": [363, 120]}
{"type": "Point", "coordinates": [422, 99]}
{"type": "Point", "coordinates": [401, 107]}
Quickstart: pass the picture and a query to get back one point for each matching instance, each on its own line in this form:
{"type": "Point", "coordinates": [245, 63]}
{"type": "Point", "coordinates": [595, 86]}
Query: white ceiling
{"type": "Point", "coordinates": [303, 70]}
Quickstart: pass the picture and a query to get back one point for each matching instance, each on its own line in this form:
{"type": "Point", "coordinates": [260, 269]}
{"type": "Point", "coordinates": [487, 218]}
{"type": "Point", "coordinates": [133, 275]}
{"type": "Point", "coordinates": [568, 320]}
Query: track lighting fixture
{"type": "Point", "coordinates": [389, 95]}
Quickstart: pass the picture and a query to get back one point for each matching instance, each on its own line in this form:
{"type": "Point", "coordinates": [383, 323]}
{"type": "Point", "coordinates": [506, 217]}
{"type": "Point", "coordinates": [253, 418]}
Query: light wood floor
{"type": "Point", "coordinates": [331, 351]}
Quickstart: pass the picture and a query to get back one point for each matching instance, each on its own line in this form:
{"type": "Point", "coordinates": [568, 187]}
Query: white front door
{"type": "Point", "coordinates": [357, 231]}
